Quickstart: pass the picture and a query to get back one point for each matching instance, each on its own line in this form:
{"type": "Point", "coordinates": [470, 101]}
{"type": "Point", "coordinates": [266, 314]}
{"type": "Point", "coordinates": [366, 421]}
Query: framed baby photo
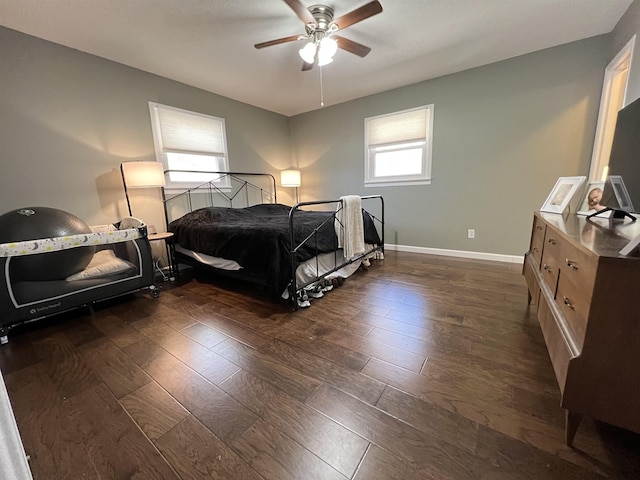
{"type": "Point", "coordinates": [563, 195]}
{"type": "Point", "coordinates": [591, 203]}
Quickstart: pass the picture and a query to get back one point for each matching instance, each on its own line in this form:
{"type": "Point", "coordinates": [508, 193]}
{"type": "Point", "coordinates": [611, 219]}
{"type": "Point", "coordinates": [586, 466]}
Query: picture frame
{"type": "Point", "coordinates": [563, 195]}
{"type": "Point", "coordinates": [622, 195]}
{"type": "Point", "coordinates": [631, 246]}
{"type": "Point", "coordinates": [556, 220]}
{"type": "Point", "coordinates": [593, 193]}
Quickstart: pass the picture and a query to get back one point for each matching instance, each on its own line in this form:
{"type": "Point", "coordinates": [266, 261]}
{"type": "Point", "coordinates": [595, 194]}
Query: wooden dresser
{"type": "Point", "coordinates": [588, 300]}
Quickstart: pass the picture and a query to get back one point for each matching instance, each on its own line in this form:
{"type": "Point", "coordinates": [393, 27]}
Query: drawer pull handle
{"type": "Point", "coordinates": [535, 249]}
{"type": "Point", "coordinates": [571, 263]}
{"type": "Point", "coordinates": [539, 227]}
{"type": "Point", "coordinates": [546, 268]}
{"type": "Point", "coordinates": [552, 241]}
{"type": "Point", "coordinates": [568, 303]}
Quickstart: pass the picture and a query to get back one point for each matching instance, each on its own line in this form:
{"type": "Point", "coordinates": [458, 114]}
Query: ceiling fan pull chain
{"type": "Point", "coordinates": [321, 89]}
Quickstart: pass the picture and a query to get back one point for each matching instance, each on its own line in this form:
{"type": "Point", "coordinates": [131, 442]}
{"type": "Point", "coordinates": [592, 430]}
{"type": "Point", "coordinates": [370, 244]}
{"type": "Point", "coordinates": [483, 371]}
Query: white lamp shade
{"type": "Point", "coordinates": [290, 178]}
{"type": "Point", "coordinates": [328, 48]}
{"type": "Point", "coordinates": [308, 52]}
{"type": "Point", "coordinates": [143, 174]}
{"type": "Point", "coordinates": [324, 61]}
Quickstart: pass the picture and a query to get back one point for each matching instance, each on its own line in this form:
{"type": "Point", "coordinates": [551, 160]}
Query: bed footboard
{"type": "Point", "coordinates": [297, 289]}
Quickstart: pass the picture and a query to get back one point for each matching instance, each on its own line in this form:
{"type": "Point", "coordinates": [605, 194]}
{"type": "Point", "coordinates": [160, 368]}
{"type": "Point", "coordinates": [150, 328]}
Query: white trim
{"type": "Point", "coordinates": [494, 257]}
{"type": "Point", "coordinates": [618, 66]}
{"type": "Point", "coordinates": [397, 184]}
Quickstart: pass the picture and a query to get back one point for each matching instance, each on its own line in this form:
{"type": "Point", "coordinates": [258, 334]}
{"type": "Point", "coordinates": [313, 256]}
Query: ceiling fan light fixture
{"type": "Point", "coordinates": [324, 61]}
{"type": "Point", "coordinates": [308, 52]}
{"type": "Point", "coordinates": [328, 48]}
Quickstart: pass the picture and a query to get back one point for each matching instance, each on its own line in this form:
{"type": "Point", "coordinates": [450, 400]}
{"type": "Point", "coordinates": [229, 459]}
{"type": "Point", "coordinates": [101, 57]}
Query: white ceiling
{"type": "Point", "coordinates": [209, 43]}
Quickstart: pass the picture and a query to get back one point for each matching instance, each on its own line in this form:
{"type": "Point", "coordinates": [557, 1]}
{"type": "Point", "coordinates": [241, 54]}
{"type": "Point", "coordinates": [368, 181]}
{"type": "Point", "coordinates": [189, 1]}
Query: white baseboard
{"type": "Point", "coordinates": [494, 257]}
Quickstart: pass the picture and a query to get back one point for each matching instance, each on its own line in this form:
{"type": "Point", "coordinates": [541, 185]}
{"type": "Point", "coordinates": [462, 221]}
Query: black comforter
{"type": "Point", "coordinates": [258, 237]}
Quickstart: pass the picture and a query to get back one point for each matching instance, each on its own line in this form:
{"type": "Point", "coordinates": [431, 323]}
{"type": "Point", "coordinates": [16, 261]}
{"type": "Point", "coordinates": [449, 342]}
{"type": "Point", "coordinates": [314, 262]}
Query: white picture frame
{"type": "Point", "coordinates": [556, 220]}
{"type": "Point", "coordinates": [593, 192]}
{"type": "Point", "coordinates": [622, 195]}
{"type": "Point", "coordinates": [563, 195]}
{"type": "Point", "coordinates": [631, 246]}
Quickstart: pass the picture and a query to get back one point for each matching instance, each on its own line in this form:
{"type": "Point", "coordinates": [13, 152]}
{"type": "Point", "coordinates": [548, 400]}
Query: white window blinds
{"type": "Point", "coordinates": [190, 145]}
{"type": "Point", "coordinates": [398, 128]}
{"type": "Point", "coordinates": [188, 131]}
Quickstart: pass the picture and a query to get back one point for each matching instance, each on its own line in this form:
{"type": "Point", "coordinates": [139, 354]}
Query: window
{"type": "Point", "coordinates": [191, 141]}
{"type": "Point", "coordinates": [398, 148]}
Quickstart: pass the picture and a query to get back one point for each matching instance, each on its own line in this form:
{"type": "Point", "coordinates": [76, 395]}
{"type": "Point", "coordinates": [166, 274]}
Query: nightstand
{"type": "Point", "coordinates": [169, 246]}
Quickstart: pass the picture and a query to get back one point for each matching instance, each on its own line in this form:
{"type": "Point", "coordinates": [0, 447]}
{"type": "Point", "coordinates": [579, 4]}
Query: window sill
{"type": "Point", "coordinates": [397, 183]}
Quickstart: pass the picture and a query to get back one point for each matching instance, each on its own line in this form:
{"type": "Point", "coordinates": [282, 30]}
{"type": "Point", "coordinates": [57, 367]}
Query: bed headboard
{"type": "Point", "coordinates": [228, 189]}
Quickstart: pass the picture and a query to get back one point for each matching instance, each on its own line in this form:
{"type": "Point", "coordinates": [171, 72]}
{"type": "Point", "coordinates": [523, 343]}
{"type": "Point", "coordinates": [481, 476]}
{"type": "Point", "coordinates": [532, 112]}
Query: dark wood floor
{"type": "Point", "coordinates": [418, 367]}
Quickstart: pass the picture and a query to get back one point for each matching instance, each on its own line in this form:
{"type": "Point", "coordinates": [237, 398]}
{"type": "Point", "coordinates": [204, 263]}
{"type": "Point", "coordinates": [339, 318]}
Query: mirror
{"type": "Point", "coordinates": [624, 161]}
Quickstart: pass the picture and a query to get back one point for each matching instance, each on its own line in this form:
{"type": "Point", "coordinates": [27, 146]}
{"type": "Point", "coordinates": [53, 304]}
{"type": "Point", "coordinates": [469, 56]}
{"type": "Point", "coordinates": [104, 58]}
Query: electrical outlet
{"type": "Point", "coordinates": [471, 233]}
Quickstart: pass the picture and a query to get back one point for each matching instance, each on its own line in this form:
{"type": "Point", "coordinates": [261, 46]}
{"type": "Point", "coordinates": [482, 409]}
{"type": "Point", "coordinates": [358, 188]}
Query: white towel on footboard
{"type": "Point", "coordinates": [349, 226]}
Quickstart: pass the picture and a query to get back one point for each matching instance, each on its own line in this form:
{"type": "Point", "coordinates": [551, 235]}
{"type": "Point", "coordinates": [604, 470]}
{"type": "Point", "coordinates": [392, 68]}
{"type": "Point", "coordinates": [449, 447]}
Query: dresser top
{"type": "Point", "coordinates": [603, 236]}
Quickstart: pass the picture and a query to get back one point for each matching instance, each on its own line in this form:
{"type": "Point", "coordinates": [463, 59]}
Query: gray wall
{"type": "Point", "coordinates": [68, 119]}
{"type": "Point", "coordinates": [503, 134]}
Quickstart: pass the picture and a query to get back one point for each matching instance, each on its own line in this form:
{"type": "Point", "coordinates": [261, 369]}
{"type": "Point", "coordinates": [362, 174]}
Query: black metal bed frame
{"type": "Point", "coordinates": [212, 188]}
{"type": "Point", "coordinates": [229, 195]}
{"type": "Point", "coordinates": [294, 289]}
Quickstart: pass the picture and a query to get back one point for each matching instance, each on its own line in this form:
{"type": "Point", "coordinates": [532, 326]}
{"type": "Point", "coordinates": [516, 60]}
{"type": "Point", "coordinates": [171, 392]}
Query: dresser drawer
{"type": "Point", "coordinates": [551, 257]}
{"type": "Point", "coordinates": [559, 351]}
{"type": "Point", "coordinates": [537, 238]}
{"type": "Point", "coordinates": [579, 268]}
{"type": "Point", "coordinates": [574, 303]}
{"type": "Point", "coordinates": [532, 281]}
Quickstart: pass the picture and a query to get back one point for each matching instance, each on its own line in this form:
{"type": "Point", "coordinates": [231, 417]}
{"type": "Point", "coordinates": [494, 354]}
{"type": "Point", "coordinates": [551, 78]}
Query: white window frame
{"type": "Point", "coordinates": [424, 142]}
{"type": "Point", "coordinates": [161, 151]}
{"type": "Point", "coordinates": [614, 97]}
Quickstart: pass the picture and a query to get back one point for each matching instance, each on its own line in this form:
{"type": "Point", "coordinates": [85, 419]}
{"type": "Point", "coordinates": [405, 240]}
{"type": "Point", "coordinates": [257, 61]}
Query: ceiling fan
{"type": "Point", "coordinates": [320, 31]}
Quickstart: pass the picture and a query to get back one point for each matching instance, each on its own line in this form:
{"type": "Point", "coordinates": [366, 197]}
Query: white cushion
{"type": "Point", "coordinates": [103, 263]}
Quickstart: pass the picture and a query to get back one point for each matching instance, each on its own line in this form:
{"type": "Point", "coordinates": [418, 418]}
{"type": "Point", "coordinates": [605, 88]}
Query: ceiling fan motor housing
{"type": "Point", "coordinates": [323, 15]}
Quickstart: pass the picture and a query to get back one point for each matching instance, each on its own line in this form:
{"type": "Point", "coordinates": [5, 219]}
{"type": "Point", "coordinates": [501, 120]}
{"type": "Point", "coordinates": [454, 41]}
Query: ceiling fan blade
{"type": "Point", "coordinates": [278, 41]}
{"type": "Point", "coordinates": [351, 46]}
{"type": "Point", "coordinates": [301, 11]}
{"type": "Point", "coordinates": [357, 15]}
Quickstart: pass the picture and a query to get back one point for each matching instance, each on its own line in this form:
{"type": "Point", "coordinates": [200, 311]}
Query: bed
{"type": "Point", "coordinates": [122, 264]}
{"type": "Point", "coordinates": [236, 226]}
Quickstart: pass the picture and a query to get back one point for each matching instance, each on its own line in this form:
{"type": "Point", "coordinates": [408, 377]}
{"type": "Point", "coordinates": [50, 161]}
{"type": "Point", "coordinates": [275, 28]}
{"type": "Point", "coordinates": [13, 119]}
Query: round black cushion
{"type": "Point", "coordinates": [33, 223]}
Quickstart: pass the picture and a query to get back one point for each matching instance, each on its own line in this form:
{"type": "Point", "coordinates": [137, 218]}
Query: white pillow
{"type": "Point", "coordinates": [103, 263]}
